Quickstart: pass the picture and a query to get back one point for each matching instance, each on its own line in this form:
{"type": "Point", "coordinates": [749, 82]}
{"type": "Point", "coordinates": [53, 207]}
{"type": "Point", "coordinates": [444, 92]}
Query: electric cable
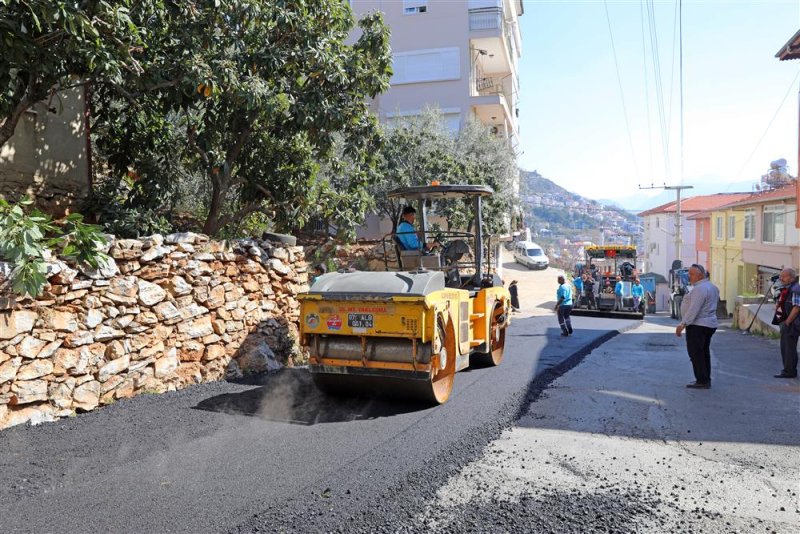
{"type": "Point", "coordinates": [764, 135]}
{"type": "Point", "coordinates": [621, 92]}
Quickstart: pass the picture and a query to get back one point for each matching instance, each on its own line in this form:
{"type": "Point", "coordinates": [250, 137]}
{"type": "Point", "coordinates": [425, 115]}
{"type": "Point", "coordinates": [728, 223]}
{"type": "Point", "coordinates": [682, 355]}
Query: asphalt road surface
{"type": "Point", "coordinates": [275, 455]}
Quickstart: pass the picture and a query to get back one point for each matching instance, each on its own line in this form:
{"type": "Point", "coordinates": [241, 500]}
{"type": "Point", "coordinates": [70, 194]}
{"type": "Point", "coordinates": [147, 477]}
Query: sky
{"type": "Point", "coordinates": [572, 117]}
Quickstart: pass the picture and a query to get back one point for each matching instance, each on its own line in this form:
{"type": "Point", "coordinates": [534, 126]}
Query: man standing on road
{"type": "Point", "coordinates": [564, 306]}
{"type": "Point", "coordinates": [787, 316]}
{"type": "Point", "coordinates": [588, 288]}
{"type": "Point", "coordinates": [578, 283]}
{"type": "Point", "coordinates": [618, 293]}
{"type": "Point", "coordinates": [637, 291]}
{"type": "Point", "coordinates": [513, 290]}
{"type": "Point", "coordinates": [699, 319]}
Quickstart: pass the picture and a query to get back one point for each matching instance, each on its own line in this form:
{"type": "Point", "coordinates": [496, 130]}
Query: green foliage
{"type": "Point", "coordinates": [420, 149]}
{"type": "Point", "coordinates": [250, 96]}
{"type": "Point", "coordinates": [125, 211]}
{"type": "Point", "coordinates": [51, 45]}
{"type": "Point", "coordinates": [417, 150]}
{"type": "Point", "coordinates": [28, 239]}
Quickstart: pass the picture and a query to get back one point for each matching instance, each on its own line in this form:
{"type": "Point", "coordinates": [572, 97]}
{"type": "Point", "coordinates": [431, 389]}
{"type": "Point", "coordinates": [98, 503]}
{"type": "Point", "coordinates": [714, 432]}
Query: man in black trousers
{"type": "Point", "coordinates": [787, 316]}
{"type": "Point", "coordinates": [699, 319]}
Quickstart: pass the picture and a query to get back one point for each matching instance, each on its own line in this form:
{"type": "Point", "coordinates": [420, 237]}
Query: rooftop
{"type": "Point", "coordinates": [788, 191]}
{"type": "Point", "coordinates": [697, 204]}
{"type": "Point", "coordinates": [791, 50]}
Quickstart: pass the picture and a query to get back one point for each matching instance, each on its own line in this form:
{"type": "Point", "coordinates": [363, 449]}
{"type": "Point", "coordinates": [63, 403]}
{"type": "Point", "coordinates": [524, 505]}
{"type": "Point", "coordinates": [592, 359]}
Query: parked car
{"type": "Point", "coordinates": [530, 255]}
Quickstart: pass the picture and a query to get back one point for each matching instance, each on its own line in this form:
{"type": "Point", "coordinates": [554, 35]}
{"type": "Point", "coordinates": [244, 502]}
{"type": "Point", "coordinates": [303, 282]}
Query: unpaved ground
{"type": "Point", "coordinates": [537, 288]}
{"type": "Point", "coordinates": [619, 444]}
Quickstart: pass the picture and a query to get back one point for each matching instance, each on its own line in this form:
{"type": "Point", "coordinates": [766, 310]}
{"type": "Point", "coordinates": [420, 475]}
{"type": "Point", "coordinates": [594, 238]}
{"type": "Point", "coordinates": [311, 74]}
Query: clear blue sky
{"type": "Point", "coordinates": [571, 113]}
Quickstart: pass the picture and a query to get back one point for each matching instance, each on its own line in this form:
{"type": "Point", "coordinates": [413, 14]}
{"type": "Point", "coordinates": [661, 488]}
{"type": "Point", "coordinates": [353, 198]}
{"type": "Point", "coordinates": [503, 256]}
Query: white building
{"type": "Point", "coordinates": [458, 56]}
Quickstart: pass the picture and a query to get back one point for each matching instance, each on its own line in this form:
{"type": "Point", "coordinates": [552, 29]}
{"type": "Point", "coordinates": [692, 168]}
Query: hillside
{"type": "Point", "coordinates": [561, 220]}
{"type": "Point", "coordinates": [546, 203]}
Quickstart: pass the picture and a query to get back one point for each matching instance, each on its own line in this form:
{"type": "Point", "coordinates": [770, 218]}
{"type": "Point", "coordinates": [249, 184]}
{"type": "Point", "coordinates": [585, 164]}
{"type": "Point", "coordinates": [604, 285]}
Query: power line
{"type": "Point", "coordinates": [646, 90]}
{"type": "Point", "coordinates": [659, 87]}
{"type": "Point", "coordinates": [621, 92]}
{"type": "Point", "coordinates": [764, 135]}
{"type": "Point", "coordinates": [680, 72]}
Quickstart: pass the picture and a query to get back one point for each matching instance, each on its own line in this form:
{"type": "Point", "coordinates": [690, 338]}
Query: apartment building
{"type": "Point", "coordinates": [459, 56]}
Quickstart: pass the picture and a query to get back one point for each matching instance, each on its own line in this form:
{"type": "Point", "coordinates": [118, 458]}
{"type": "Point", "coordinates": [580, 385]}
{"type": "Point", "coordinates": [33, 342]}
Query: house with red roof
{"type": "Point", "coordinates": [660, 230]}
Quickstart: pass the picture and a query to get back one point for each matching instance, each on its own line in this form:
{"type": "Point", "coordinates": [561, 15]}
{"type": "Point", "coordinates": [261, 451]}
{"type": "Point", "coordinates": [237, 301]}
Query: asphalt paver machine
{"type": "Point", "coordinates": [608, 264]}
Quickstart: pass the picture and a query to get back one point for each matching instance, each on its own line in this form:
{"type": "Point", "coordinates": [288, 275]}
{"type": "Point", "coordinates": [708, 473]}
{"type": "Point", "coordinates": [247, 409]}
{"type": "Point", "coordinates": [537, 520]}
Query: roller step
{"type": "Point", "coordinates": [473, 316]}
{"type": "Point", "coordinates": [477, 342]}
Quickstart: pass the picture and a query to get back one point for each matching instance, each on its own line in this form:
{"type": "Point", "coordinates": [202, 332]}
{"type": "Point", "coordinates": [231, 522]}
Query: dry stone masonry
{"type": "Point", "coordinates": [166, 312]}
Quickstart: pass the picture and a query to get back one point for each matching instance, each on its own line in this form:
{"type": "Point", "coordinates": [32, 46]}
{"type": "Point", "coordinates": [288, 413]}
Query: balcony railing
{"type": "Point", "coordinates": [486, 19]}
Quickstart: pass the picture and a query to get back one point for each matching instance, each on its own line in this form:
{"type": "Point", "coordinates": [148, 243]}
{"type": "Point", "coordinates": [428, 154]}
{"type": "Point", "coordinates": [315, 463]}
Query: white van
{"type": "Point", "coordinates": [530, 255]}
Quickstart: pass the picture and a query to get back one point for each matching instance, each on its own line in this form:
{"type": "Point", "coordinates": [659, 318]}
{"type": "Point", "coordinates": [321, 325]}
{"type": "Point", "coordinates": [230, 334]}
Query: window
{"type": "Point", "coordinates": [432, 65]}
{"type": "Point", "coordinates": [411, 7]}
{"type": "Point", "coordinates": [773, 228]}
{"type": "Point", "coordinates": [719, 228]}
{"type": "Point", "coordinates": [750, 224]}
{"type": "Point", "coordinates": [731, 227]}
{"type": "Point", "coordinates": [702, 230]}
{"type": "Point", "coordinates": [658, 222]}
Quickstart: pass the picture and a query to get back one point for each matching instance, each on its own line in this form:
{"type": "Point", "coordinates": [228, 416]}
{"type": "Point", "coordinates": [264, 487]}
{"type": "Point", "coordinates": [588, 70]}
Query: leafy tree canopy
{"type": "Point", "coordinates": [261, 91]}
{"type": "Point", "coordinates": [51, 45]}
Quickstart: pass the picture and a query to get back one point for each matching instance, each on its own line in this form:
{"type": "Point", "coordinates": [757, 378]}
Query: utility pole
{"type": "Point", "coordinates": [678, 223]}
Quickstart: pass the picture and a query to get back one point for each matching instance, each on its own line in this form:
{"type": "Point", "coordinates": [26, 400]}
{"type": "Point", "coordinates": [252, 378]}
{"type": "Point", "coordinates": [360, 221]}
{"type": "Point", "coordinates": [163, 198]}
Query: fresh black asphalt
{"type": "Point", "coordinates": [273, 454]}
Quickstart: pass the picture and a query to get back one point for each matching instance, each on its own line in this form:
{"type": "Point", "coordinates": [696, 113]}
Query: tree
{"type": "Point", "coordinates": [420, 149]}
{"type": "Point", "coordinates": [417, 150]}
{"type": "Point", "coordinates": [49, 46]}
{"type": "Point", "coordinates": [264, 87]}
{"type": "Point", "coordinates": [489, 160]}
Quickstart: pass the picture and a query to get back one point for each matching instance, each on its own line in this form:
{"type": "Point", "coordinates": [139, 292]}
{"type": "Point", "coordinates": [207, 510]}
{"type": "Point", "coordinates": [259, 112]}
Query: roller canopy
{"type": "Point", "coordinates": [433, 192]}
{"type": "Point", "coordinates": [373, 283]}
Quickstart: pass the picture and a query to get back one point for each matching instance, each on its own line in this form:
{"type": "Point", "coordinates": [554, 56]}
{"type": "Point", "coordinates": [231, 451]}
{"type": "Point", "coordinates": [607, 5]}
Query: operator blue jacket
{"type": "Point", "coordinates": [408, 236]}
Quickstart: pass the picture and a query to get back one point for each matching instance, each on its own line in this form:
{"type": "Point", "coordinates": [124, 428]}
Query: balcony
{"type": "Point", "coordinates": [493, 36]}
{"type": "Point", "coordinates": [485, 19]}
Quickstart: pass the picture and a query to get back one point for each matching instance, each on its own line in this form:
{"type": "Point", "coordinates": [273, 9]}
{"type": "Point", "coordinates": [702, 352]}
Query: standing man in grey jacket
{"type": "Point", "coordinates": [699, 319]}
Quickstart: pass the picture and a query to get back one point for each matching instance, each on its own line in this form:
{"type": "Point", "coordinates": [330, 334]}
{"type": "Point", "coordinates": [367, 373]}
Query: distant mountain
{"type": "Point", "coordinates": [533, 183]}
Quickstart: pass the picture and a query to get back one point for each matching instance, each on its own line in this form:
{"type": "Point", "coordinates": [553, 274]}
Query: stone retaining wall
{"type": "Point", "coordinates": [166, 313]}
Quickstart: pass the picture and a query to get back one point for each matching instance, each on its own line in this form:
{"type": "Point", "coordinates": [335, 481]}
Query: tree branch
{"type": "Point", "coordinates": [8, 124]}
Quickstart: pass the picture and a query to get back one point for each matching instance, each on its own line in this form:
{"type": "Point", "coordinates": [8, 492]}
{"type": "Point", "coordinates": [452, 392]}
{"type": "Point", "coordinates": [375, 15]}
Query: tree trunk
{"type": "Point", "coordinates": [9, 123]}
{"type": "Point", "coordinates": [212, 224]}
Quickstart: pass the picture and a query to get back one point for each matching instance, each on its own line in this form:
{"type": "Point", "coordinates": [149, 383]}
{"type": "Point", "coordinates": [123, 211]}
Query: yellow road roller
{"type": "Point", "coordinates": [407, 330]}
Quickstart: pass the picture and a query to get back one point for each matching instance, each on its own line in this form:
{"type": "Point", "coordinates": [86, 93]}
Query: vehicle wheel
{"type": "Point", "coordinates": [284, 239]}
{"type": "Point", "coordinates": [438, 390]}
{"type": "Point", "coordinates": [497, 340]}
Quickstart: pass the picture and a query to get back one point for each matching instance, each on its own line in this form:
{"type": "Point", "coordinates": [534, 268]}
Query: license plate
{"type": "Point", "coordinates": [360, 320]}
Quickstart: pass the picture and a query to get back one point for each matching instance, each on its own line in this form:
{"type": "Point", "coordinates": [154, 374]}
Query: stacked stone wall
{"type": "Point", "coordinates": [167, 312]}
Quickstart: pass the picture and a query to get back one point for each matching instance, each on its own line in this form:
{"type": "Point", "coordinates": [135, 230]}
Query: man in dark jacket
{"type": "Point", "coordinates": [787, 316]}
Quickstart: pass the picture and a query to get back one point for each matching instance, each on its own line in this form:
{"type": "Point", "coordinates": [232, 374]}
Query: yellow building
{"type": "Point", "coordinates": [728, 270]}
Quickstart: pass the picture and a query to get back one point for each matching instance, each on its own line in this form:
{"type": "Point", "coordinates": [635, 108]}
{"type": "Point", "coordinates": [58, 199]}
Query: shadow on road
{"type": "Point", "coordinates": [634, 388]}
{"type": "Point", "coordinates": [290, 396]}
